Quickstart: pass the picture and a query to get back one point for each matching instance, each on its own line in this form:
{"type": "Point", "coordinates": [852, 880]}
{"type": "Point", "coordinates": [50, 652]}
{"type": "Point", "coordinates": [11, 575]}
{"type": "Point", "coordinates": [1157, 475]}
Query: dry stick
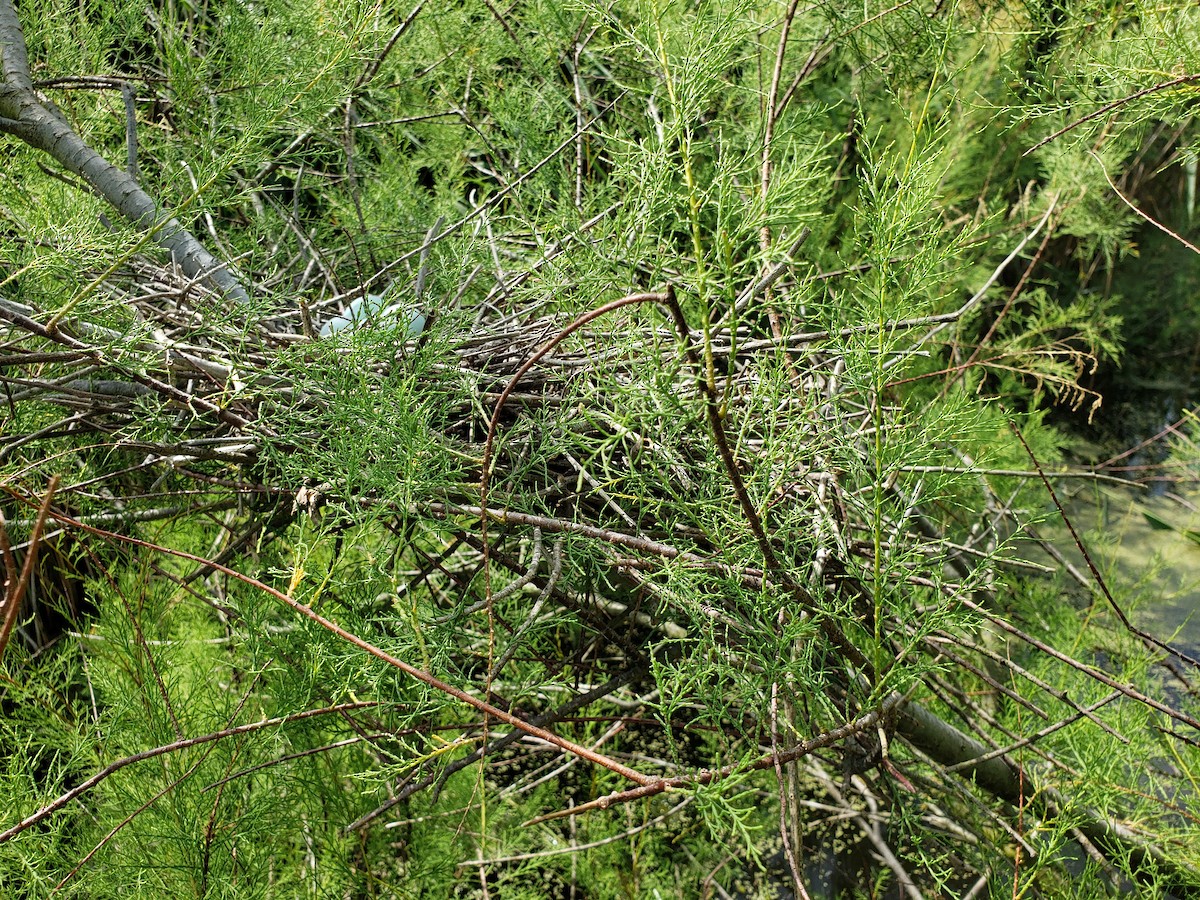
{"type": "Point", "coordinates": [972, 715]}
{"type": "Point", "coordinates": [769, 277]}
{"type": "Point", "coordinates": [299, 754]}
{"type": "Point", "coordinates": [174, 747]}
{"type": "Point", "coordinates": [489, 444]}
{"type": "Point", "coordinates": [1109, 107]}
{"type": "Point", "coordinates": [494, 423]}
{"type": "Point", "coordinates": [1087, 558]}
{"type": "Point", "coordinates": [372, 69]}
{"type": "Point", "coordinates": [154, 798]}
{"type": "Point", "coordinates": [945, 320]}
{"type": "Point", "coordinates": [552, 251]}
{"type": "Point", "coordinates": [823, 50]}
{"type": "Point", "coordinates": [554, 769]}
{"type": "Point", "coordinates": [169, 391]}
{"type": "Point", "coordinates": [993, 683]}
{"type": "Point", "coordinates": [530, 573]}
{"type": "Point", "coordinates": [818, 56]}
{"type": "Point", "coordinates": [12, 580]}
{"type": "Point", "coordinates": [1173, 428]}
{"type": "Point", "coordinates": [143, 643]}
{"type": "Point", "coordinates": [577, 84]}
{"type": "Point", "coordinates": [599, 489]}
{"type": "Point", "coordinates": [556, 562]}
{"type": "Point", "coordinates": [1012, 473]}
{"type": "Point", "coordinates": [546, 523]}
{"type": "Point", "coordinates": [815, 58]}
{"type": "Point", "coordinates": [14, 593]}
{"type": "Point", "coordinates": [351, 638]}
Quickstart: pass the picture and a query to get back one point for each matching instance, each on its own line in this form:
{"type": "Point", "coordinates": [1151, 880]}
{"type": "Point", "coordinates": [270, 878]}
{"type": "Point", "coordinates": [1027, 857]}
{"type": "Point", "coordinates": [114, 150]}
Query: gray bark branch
{"type": "Point", "coordinates": [24, 115]}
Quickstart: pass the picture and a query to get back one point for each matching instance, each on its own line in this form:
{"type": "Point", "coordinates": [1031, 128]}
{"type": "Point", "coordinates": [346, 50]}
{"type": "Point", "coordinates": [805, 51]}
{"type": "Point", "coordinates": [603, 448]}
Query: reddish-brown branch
{"type": "Point", "coordinates": [380, 654]}
{"type": "Point", "coordinates": [699, 779]}
{"type": "Point", "coordinates": [14, 591]}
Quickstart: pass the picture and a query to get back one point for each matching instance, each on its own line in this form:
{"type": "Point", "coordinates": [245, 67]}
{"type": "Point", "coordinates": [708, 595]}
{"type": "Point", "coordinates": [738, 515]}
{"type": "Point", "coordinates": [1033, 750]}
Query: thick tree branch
{"type": "Point", "coordinates": [25, 116]}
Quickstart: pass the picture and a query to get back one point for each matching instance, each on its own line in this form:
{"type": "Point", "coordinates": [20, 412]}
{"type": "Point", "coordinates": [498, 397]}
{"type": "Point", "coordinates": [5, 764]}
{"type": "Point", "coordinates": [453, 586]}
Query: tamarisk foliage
{"type": "Point", "coordinates": [659, 515]}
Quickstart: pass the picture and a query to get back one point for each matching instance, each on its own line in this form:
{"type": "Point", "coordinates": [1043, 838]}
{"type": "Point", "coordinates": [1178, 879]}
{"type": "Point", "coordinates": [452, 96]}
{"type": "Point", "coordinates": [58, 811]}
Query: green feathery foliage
{"type": "Point", "coordinates": [273, 646]}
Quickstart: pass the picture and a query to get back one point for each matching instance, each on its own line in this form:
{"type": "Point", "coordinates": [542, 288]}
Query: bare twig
{"type": "Point", "coordinates": [1109, 107]}
{"type": "Point", "coordinates": [1144, 216]}
{"type": "Point", "coordinates": [1099, 579]}
{"type": "Point", "coordinates": [174, 747]}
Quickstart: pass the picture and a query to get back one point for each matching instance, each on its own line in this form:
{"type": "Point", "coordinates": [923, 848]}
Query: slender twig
{"type": "Point", "coordinates": [116, 829]}
{"type": "Point", "coordinates": [382, 655]}
{"type": "Point", "coordinates": [1092, 672]}
{"type": "Point", "coordinates": [716, 423]}
{"type": "Point", "coordinates": [494, 423]}
{"type": "Point", "coordinates": [1109, 107]}
{"type": "Point", "coordinates": [1036, 736]}
{"type": "Point", "coordinates": [1012, 296]}
{"type": "Point", "coordinates": [717, 428]}
{"type": "Point", "coordinates": [1060, 695]}
{"type": "Point", "coordinates": [173, 747]}
{"type": "Point", "coordinates": [1100, 580]}
{"type": "Point", "coordinates": [1146, 217]}
{"type": "Point", "coordinates": [174, 783]}
{"type": "Point", "coordinates": [372, 68]}
{"type": "Point", "coordinates": [959, 313]}
{"type": "Point", "coordinates": [556, 564]}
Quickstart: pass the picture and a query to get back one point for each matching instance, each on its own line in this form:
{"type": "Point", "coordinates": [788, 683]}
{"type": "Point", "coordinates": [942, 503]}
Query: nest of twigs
{"type": "Point", "coordinates": [526, 536]}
